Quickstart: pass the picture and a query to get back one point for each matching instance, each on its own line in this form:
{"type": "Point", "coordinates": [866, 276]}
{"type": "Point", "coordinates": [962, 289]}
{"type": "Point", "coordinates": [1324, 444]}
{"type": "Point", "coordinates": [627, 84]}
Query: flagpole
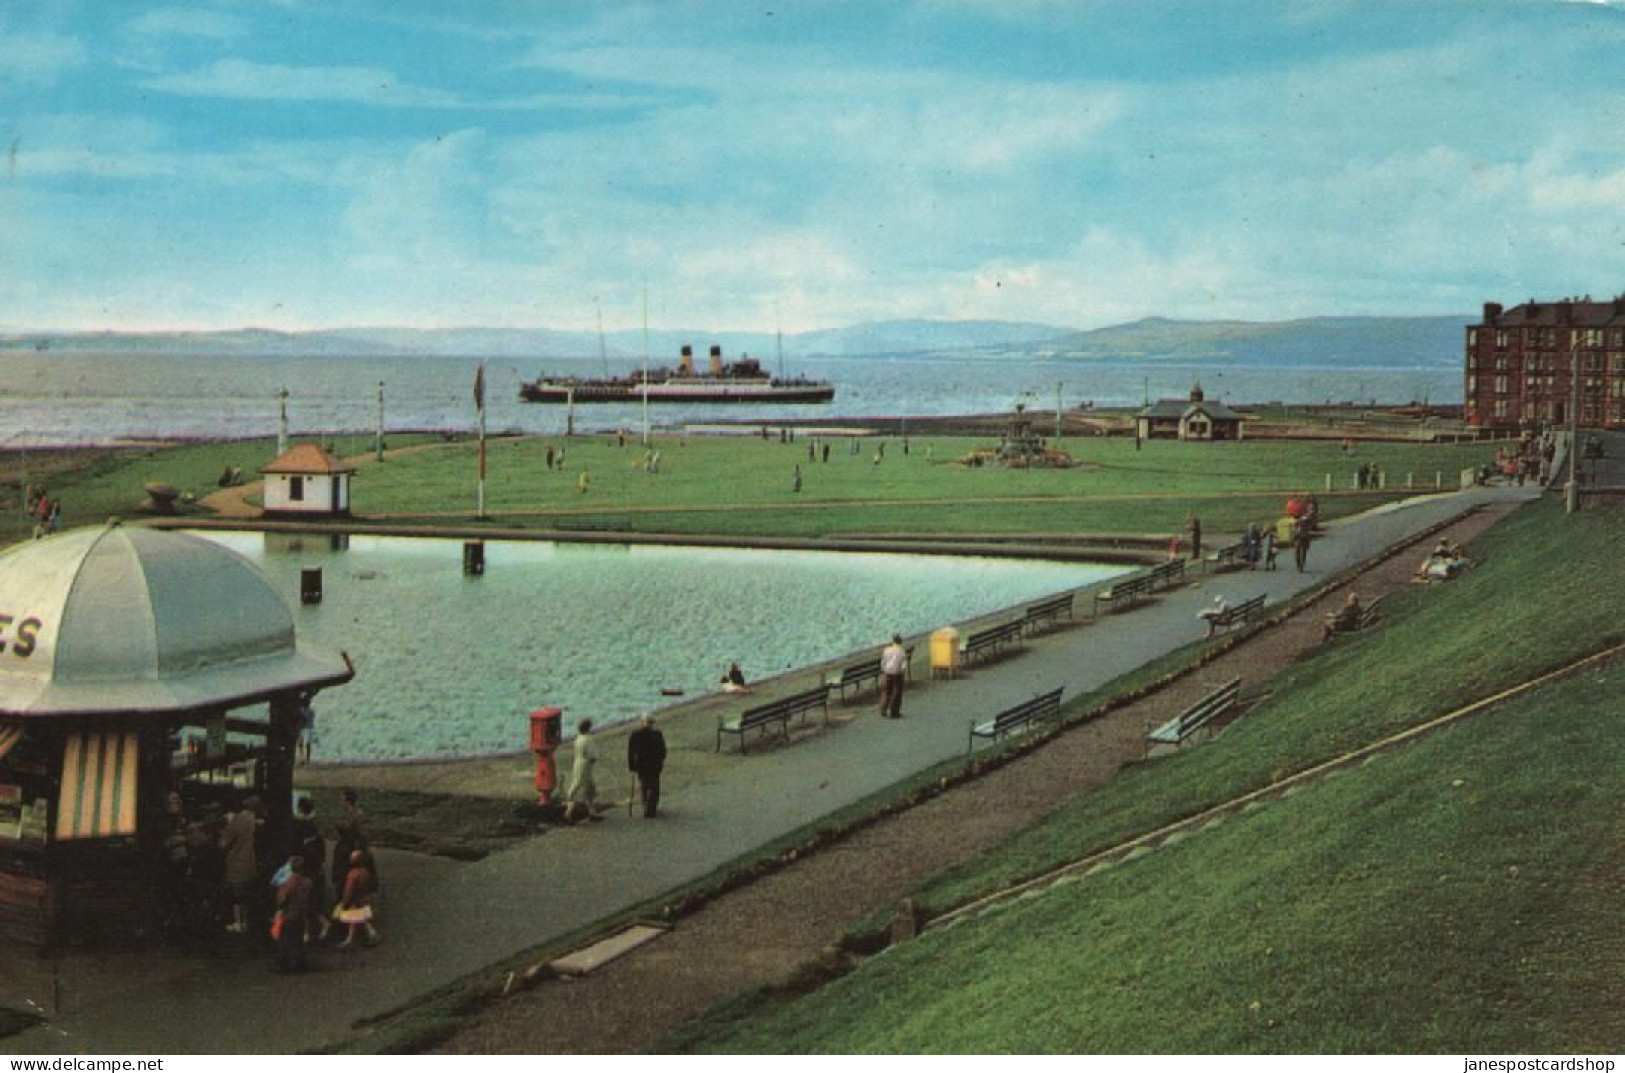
{"type": "Point", "coordinates": [645, 366]}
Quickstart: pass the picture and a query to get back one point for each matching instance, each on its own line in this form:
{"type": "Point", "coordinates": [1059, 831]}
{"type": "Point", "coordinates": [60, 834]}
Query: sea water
{"type": "Point", "coordinates": [451, 665]}
{"type": "Point", "coordinates": [57, 397]}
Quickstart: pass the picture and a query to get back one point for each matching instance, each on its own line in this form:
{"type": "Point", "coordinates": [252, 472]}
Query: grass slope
{"type": "Point", "coordinates": [1391, 909]}
{"type": "Point", "coordinates": [1451, 897]}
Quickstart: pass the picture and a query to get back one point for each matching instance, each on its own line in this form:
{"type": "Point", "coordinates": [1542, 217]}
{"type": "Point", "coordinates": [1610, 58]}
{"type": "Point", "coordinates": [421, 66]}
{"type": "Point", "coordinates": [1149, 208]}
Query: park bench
{"type": "Point", "coordinates": [1368, 615]}
{"type": "Point", "coordinates": [1226, 558]}
{"type": "Point", "coordinates": [1169, 572]}
{"type": "Point", "coordinates": [778, 711]}
{"type": "Point", "coordinates": [854, 675]}
{"type": "Point", "coordinates": [1011, 720]}
{"type": "Point", "coordinates": [992, 639]}
{"type": "Point", "coordinates": [1125, 593]}
{"type": "Point", "coordinates": [1047, 611]}
{"type": "Point", "coordinates": [1193, 720]}
{"type": "Point", "coordinates": [1235, 614]}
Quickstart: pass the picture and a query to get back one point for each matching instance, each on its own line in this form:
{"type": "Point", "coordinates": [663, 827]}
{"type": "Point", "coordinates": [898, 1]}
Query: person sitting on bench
{"type": "Point", "coordinates": [1342, 620]}
{"type": "Point", "coordinates": [1212, 614]}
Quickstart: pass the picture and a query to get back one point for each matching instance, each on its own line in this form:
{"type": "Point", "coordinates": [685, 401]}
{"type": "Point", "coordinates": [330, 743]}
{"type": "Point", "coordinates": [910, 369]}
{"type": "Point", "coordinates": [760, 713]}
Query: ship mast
{"type": "Point", "coordinates": [603, 351]}
{"type": "Point", "coordinates": [645, 366]}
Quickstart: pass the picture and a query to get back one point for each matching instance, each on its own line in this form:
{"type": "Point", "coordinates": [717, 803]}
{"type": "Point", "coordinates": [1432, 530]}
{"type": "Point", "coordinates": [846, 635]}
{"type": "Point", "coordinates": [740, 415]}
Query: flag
{"type": "Point", "coordinates": [479, 388]}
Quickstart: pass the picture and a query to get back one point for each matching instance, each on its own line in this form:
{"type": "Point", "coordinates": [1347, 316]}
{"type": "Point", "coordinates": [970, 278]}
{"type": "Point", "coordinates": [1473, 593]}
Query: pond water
{"type": "Point", "coordinates": [449, 665]}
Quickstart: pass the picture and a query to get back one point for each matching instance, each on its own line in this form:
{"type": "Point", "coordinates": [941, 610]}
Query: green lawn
{"type": "Point", "coordinates": [743, 485]}
{"type": "Point", "coordinates": [1389, 909]}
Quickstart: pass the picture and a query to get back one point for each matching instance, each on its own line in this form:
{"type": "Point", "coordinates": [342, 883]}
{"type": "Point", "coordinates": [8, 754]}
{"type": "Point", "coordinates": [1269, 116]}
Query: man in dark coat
{"type": "Point", "coordinates": [645, 757]}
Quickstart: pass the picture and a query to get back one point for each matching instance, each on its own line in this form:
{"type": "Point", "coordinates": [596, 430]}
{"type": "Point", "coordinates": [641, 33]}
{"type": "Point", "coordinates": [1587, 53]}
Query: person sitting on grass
{"type": "Point", "coordinates": [1342, 620]}
{"type": "Point", "coordinates": [733, 680]}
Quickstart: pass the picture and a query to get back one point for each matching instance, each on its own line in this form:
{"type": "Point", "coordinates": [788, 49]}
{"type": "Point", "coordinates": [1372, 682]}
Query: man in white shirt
{"type": "Point", "coordinates": [893, 665]}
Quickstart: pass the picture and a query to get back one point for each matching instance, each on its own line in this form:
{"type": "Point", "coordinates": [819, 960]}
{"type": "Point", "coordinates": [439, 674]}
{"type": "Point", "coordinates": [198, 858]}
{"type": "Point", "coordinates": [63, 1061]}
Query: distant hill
{"type": "Point", "coordinates": [1316, 341]}
{"type": "Point", "coordinates": [885, 337]}
{"type": "Point", "coordinates": [1319, 341]}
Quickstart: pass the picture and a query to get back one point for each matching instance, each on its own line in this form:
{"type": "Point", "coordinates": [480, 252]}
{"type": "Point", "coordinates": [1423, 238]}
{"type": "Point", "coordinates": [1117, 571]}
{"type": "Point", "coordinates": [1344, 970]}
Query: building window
{"type": "Point", "coordinates": [1501, 385]}
{"type": "Point", "coordinates": [296, 489]}
{"type": "Point", "coordinates": [1472, 336]}
{"type": "Point", "coordinates": [1500, 407]}
{"type": "Point", "coordinates": [1501, 337]}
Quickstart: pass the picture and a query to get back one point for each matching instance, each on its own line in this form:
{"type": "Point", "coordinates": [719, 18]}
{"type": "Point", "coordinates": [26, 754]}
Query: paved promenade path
{"type": "Point", "coordinates": [446, 919]}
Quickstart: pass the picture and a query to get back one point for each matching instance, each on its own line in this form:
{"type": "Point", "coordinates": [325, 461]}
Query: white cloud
{"type": "Point", "coordinates": [188, 22]}
{"type": "Point", "coordinates": [35, 60]}
{"type": "Point", "coordinates": [243, 79]}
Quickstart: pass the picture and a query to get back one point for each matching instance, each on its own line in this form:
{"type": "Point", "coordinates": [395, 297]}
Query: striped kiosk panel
{"type": "Point", "coordinates": [9, 737]}
{"type": "Point", "coordinates": [98, 785]}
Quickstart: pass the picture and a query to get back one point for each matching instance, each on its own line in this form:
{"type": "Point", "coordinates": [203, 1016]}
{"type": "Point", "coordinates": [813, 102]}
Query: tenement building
{"type": "Point", "coordinates": [1521, 362]}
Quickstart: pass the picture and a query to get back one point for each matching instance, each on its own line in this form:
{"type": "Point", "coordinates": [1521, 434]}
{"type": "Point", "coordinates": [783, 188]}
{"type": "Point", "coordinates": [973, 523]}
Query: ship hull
{"type": "Point", "coordinates": [588, 391]}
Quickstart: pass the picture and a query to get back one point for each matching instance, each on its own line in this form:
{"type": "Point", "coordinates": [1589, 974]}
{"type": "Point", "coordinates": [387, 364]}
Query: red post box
{"type": "Point", "coordinates": [546, 731]}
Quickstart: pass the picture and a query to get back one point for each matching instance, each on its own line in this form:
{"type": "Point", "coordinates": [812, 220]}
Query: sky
{"type": "Point", "coordinates": [801, 164]}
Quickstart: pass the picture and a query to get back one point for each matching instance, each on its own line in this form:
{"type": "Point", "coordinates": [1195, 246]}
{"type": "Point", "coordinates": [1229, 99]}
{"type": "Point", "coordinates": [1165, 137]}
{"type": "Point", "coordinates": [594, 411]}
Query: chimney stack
{"type": "Point", "coordinates": [1492, 310]}
{"type": "Point", "coordinates": [716, 360]}
{"type": "Point", "coordinates": [686, 365]}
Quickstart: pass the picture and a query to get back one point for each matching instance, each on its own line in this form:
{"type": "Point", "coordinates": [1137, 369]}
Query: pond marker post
{"type": "Point", "coordinates": [479, 404]}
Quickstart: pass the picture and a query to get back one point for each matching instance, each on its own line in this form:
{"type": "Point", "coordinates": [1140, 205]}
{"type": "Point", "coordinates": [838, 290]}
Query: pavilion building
{"type": "Point", "coordinates": [1188, 419]}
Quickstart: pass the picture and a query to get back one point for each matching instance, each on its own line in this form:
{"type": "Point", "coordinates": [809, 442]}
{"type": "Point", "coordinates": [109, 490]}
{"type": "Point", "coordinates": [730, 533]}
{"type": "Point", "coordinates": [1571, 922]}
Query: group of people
{"type": "Point", "coordinates": [1369, 475]}
{"type": "Point", "coordinates": [646, 745]}
{"type": "Point", "coordinates": [1445, 562]}
{"type": "Point", "coordinates": [645, 759]}
{"type": "Point", "coordinates": [46, 512]}
{"type": "Point", "coordinates": [223, 874]}
{"type": "Point", "coordinates": [1530, 459]}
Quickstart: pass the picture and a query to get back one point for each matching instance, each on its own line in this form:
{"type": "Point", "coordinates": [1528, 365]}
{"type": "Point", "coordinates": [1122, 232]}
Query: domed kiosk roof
{"type": "Point", "coordinates": [118, 619]}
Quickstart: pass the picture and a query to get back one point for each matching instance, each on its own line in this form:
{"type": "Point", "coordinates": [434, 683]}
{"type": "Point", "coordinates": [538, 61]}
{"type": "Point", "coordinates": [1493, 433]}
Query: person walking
{"type": "Point", "coordinates": [1193, 525]}
{"type": "Point", "coordinates": [583, 784]}
{"type": "Point", "coordinates": [355, 910]}
{"type": "Point", "coordinates": [242, 863]}
{"type": "Point", "coordinates": [893, 665]}
{"type": "Point", "coordinates": [646, 758]}
{"type": "Point", "coordinates": [1300, 544]}
{"type": "Point", "coordinates": [348, 834]}
{"type": "Point", "coordinates": [294, 900]}
{"type": "Point", "coordinates": [797, 485]}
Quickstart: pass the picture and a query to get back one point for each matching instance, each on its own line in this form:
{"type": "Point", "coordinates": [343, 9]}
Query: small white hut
{"type": "Point", "coordinates": [307, 481]}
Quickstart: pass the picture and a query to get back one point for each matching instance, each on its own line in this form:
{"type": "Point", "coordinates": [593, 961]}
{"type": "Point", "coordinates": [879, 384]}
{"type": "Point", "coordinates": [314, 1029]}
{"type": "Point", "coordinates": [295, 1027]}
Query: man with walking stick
{"type": "Point", "coordinates": [645, 757]}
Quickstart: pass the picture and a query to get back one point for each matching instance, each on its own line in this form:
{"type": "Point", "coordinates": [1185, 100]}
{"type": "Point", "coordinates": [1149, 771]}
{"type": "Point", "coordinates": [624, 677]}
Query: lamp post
{"type": "Point", "coordinates": [1571, 495]}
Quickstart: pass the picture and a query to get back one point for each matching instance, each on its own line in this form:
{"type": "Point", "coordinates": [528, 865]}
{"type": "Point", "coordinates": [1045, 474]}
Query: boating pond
{"type": "Point", "coordinates": [451, 665]}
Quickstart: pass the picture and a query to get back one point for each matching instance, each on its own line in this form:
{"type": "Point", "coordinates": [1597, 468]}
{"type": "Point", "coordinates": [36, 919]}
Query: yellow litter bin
{"type": "Point", "coordinates": [945, 652]}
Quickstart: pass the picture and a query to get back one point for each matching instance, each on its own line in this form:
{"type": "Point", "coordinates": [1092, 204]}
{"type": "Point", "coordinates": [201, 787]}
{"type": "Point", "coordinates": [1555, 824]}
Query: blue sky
{"type": "Point", "coordinates": [807, 164]}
